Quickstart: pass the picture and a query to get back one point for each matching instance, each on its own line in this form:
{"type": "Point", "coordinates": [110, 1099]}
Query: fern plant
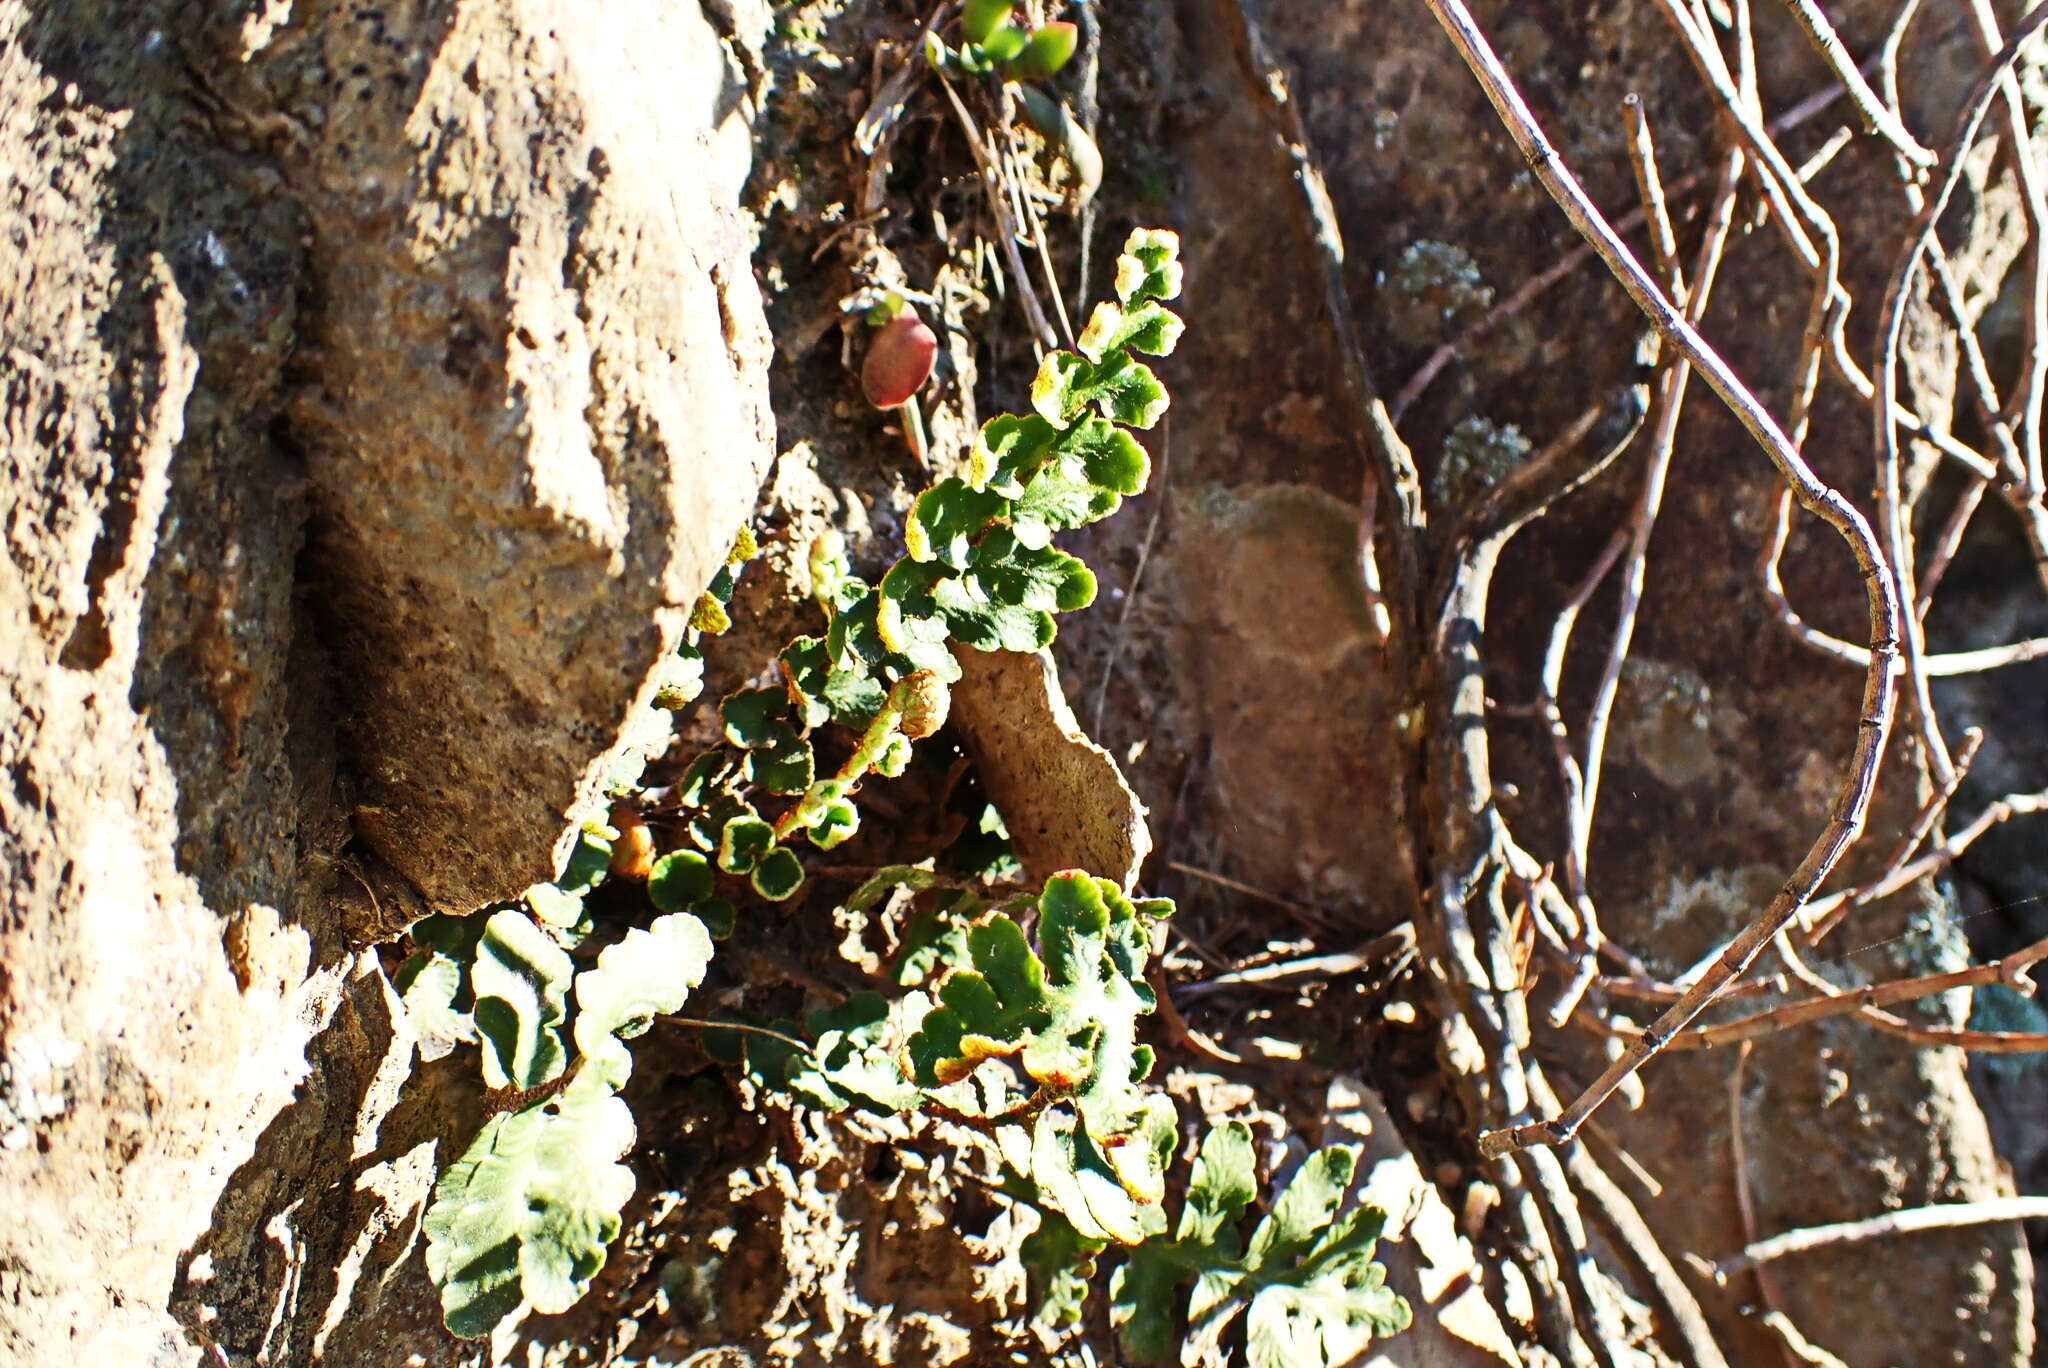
{"type": "Point", "coordinates": [1028, 1038]}
{"type": "Point", "coordinates": [524, 1217]}
{"type": "Point", "coordinates": [1305, 1282]}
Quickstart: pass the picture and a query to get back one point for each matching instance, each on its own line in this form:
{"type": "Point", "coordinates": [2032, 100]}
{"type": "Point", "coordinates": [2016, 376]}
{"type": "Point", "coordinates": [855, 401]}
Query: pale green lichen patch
{"type": "Point", "coordinates": [1670, 719]}
{"type": "Point", "coordinates": [1431, 288]}
{"type": "Point", "coordinates": [1998, 1008]}
{"type": "Point", "coordinates": [1692, 916]}
{"type": "Point", "coordinates": [1478, 454]}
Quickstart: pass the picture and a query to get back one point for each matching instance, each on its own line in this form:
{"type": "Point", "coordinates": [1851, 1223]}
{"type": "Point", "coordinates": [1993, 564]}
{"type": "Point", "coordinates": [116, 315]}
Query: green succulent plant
{"type": "Point", "coordinates": [990, 41]}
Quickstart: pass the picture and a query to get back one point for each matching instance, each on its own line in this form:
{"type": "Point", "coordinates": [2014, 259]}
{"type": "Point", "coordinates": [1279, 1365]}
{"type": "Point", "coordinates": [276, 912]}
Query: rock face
{"type": "Point", "coordinates": [1729, 737]}
{"type": "Point", "coordinates": [382, 386]}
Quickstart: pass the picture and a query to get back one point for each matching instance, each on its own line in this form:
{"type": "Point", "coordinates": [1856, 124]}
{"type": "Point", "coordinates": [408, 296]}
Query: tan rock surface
{"type": "Point", "coordinates": [394, 367]}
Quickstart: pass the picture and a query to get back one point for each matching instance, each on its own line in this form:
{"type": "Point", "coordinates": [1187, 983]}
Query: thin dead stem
{"type": "Point", "coordinates": [1949, 1216]}
{"type": "Point", "coordinates": [1874, 721]}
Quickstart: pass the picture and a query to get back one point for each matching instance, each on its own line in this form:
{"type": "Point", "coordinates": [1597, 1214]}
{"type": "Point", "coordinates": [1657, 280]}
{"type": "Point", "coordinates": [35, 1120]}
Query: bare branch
{"type": "Point", "coordinates": [1875, 720]}
{"type": "Point", "coordinates": [1877, 117]}
{"type": "Point", "coordinates": [1948, 1216]}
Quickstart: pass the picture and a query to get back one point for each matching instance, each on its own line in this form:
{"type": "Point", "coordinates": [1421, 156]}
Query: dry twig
{"type": "Point", "coordinates": [1874, 721]}
{"type": "Point", "coordinates": [1949, 1216]}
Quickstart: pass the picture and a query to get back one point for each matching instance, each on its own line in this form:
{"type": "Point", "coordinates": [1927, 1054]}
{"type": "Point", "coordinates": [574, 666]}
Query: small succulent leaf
{"type": "Point", "coordinates": [986, 1012]}
{"type": "Point", "coordinates": [755, 717]}
{"type": "Point", "coordinates": [1010, 449]}
{"type": "Point", "coordinates": [719, 917]}
{"type": "Point", "coordinates": [1336, 1304]}
{"type": "Point", "coordinates": [553, 905]}
{"type": "Point", "coordinates": [779, 875]}
{"type": "Point", "coordinates": [702, 778]}
{"type": "Point", "coordinates": [429, 983]}
{"type": "Point", "coordinates": [589, 860]}
{"type": "Point", "coordinates": [836, 823]}
{"type": "Point", "coordinates": [1004, 44]}
{"type": "Point", "coordinates": [785, 764]}
{"type": "Point", "coordinates": [1305, 1210]}
{"type": "Point", "coordinates": [648, 973]}
{"type": "Point", "coordinates": [1075, 1180]}
{"type": "Point", "coordinates": [1145, 327]}
{"type": "Point", "coordinates": [1223, 1183]}
{"type": "Point", "coordinates": [679, 880]}
{"type": "Point", "coordinates": [1058, 1266]}
{"type": "Point", "coordinates": [980, 18]}
{"type": "Point", "coordinates": [1141, 1300]}
{"type": "Point", "coordinates": [521, 982]}
{"type": "Point", "coordinates": [849, 694]}
{"type": "Point", "coordinates": [952, 515]}
{"type": "Point", "coordinates": [744, 843]}
{"type": "Point", "coordinates": [524, 1216]}
{"type": "Point", "coordinates": [1047, 50]}
{"type": "Point", "coordinates": [1149, 267]}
